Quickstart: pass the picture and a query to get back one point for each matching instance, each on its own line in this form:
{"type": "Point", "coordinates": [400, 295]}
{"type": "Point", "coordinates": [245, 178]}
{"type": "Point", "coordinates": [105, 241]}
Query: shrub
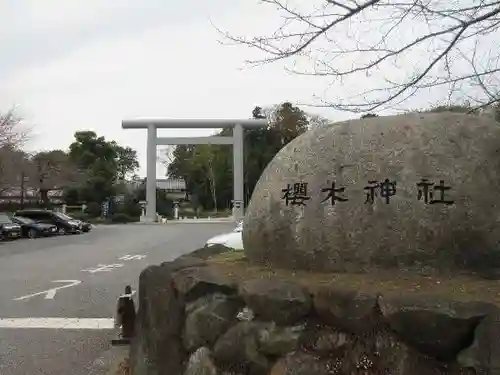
{"type": "Point", "coordinates": [79, 215]}
{"type": "Point", "coordinates": [130, 208]}
{"type": "Point", "coordinates": [99, 220]}
{"type": "Point", "coordinates": [93, 209]}
{"type": "Point", "coordinates": [121, 218]}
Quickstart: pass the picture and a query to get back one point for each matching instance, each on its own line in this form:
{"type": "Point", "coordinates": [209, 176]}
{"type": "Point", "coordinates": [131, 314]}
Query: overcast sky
{"type": "Point", "coordinates": [73, 65]}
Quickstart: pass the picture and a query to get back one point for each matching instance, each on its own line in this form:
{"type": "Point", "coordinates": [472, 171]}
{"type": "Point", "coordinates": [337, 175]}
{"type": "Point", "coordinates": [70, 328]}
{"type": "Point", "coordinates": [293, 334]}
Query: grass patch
{"type": "Point", "coordinates": [387, 282]}
{"type": "Point", "coordinates": [228, 257]}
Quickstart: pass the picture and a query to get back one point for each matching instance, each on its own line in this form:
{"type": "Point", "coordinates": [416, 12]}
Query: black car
{"type": "Point", "coordinates": [85, 227]}
{"type": "Point", "coordinates": [8, 229]}
{"type": "Point", "coordinates": [32, 229]}
{"type": "Point", "coordinates": [64, 223]}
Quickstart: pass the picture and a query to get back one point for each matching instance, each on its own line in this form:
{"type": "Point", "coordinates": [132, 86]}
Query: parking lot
{"type": "Point", "coordinates": [36, 223]}
{"type": "Point", "coordinates": [58, 295]}
{"type": "Point", "coordinates": [22, 245]}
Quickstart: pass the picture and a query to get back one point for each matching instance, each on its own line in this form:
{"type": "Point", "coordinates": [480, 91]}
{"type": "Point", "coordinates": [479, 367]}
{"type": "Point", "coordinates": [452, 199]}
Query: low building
{"type": "Point", "coordinates": [175, 188]}
{"type": "Point", "coordinates": [31, 195]}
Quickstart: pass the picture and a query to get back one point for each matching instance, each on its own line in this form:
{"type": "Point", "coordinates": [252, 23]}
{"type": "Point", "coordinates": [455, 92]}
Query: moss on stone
{"type": "Point", "coordinates": [390, 283]}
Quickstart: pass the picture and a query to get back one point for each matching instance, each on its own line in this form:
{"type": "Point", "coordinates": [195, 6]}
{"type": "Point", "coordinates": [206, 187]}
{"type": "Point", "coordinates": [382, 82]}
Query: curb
{"type": "Point", "coordinates": [187, 221]}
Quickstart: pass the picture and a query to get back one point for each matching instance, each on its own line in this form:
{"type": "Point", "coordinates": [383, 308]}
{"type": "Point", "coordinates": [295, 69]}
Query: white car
{"type": "Point", "coordinates": [232, 239]}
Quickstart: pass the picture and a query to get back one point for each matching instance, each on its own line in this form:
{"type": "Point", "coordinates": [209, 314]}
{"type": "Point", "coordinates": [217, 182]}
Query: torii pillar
{"type": "Point", "coordinates": [153, 141]}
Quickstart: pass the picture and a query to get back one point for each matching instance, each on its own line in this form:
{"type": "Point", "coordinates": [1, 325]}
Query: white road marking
{"type": "Point", "coordinates": [132, 257]}
{"type": "Point", "coordinates": [51, 293]}
{"type": "Point", "coordinates": [103, 268]}
{"type": "Point", "coordinates": [58, 323]}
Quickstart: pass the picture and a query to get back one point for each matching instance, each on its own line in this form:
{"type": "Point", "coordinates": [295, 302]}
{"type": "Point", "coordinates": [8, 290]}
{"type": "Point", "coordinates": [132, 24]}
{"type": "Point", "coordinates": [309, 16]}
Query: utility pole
{"type": "Point", "coordinates": [23, 177]}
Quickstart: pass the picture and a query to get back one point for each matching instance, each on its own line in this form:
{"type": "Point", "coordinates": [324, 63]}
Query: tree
{"type": "Point", "coordinates": [51, 170]}
{"type": "Point", "coordinates": [88, 148]}
{"type": "Point", "coordinates": [204, 168]}
{"type": "Point", "coordinates": [452, 44]}
{"type": "Point", "coordinates": [316, 121]}
{"type": "Point", "coordinates": [208, 170]}
{"type": "Point", "coordinates": [126, 161]}
{"type": "Point", "coordinates": [12, 134]}
{"type": "Point", "coordinates": [204, 157]}
{"type": "Point", "coordinates": [167, 156]}
{"type": "Point", "coordinates": [180, 164]}
{"type": "Point", "coordinates": [103, 163]}
{"type": "Point", "coordinates": [14, 165]}
{"type": "Point", "coordinates": [258, 113]}
{"type": "Point", "coordinates": [164, 205]}
{"type": "Point", "coordinates": [289, 121]}
{"type": "Point", "coordinates": [13, 161]}
{"type": "Point", "coordinates": [97, 159]}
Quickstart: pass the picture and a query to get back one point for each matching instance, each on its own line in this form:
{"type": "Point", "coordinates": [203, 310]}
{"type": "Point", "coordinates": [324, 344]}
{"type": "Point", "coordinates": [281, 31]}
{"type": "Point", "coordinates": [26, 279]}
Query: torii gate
{"type": "Point", "coordinates": [153, 141]}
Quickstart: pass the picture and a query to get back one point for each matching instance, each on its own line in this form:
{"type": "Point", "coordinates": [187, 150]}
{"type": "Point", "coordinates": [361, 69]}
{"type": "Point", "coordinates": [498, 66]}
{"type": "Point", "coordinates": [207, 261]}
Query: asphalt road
{"type": "Point", "coordinates": [98, 265]}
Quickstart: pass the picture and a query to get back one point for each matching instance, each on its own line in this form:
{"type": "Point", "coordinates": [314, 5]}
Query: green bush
{"type": "Point", "coordinates": [93, 209]}
{"type": "Point", "coordinates": [122, 218]}
{"type": "Point", "coordinates": [204, 214]}
{"type": "Point", "coordinates": [224, 213]}
{"type": "Point", "coordinates": [79, 215]}
{"type": "Point", "coordinates": [71, 196]}
{"type": "Point", "coordinates": [129, 207]}
{"type": "Point", "coordinates": [99, 220]}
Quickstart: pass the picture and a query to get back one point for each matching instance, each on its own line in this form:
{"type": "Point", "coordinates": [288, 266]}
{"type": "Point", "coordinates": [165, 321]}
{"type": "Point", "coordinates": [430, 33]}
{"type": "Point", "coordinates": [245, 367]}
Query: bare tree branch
{"type": "Point", "coordinates": [12, 132]}
{"type": "Point", "coordinates": [167, 156]}
{"type": "Point", "coordinates": [13, 164]}
{"type": "Point", "coordinates": [408, 46]}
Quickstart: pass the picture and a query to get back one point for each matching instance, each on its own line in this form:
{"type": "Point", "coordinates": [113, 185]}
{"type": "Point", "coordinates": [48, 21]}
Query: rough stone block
{"type": "Point", "coordinates": [238, 350]}
{"type": "Point", "coordinates": [286, 331]}
{"type": "Point", "coordinates": [437, 328]}
{"type": "Point", "coordinates": [278, 341]}
{"type": "Point", "coordinates": [414, 230]}
{"type": "Point", "coordinates": [160, 309]}
{"type": "Point", "coordinates": [195, 282]}
{"type": "Point", "coordinates": [297, 363]}
{"type": "Point", "coordinates": [207, 322]}
{"type": "Point", "coordinates": [200, 363]}
{"type": "Point", "coordinates": [346, 309]}
{"type": "Point", "coordinates": [325, 340]}
{"type": "Point", "coordinates": [484, 354]}
{"type": "Point", "coordinates": [278, 301]}
{"type": "Point", "coordinates": [185, 261]}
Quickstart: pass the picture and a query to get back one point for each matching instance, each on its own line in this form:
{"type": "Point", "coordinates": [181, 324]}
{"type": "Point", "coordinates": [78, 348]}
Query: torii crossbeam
{"type": "Point", "coordinates": [153, 141]}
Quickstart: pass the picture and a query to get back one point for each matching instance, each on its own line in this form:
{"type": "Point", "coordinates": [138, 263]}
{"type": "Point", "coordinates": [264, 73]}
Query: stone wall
{"type": "Point", "coordinates": [194, 319]}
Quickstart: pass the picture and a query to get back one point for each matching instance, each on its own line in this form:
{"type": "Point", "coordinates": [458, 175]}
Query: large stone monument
{"type": "Point", "coordinates": [416, 192]}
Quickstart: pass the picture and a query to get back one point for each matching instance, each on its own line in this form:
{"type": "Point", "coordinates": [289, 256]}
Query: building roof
{"type": "Point", "coordinates": [171, 184]}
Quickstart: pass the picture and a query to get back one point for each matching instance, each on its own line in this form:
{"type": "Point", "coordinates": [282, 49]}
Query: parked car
{"type": "Point", "coordinates": [32, 229]}
{"type": "Point", "coordinates": [8, 229]}
{"type": "Point", "coordinates": [64, 223]}
{"type": "Point", "coordinates": [232, 239]}
{"type": "Point", "coordinates": [86, 227]}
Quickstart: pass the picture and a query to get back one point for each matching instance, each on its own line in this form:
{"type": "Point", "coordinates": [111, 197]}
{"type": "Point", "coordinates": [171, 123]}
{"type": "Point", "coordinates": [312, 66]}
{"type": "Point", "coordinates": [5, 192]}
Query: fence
{"type": "Point", "coordinates": [66, 209]}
